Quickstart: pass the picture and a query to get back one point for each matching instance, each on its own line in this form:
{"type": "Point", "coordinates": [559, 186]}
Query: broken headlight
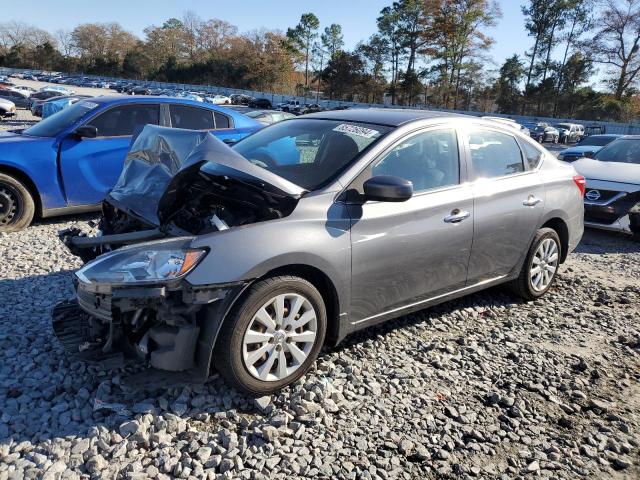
{"type": "Point", "coordinates": [152, 263]}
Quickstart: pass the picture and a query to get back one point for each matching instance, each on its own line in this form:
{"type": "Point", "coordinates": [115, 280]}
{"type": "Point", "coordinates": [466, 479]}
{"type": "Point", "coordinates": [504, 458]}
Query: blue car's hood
{"type": "Point", "coordinates": [7, 137]}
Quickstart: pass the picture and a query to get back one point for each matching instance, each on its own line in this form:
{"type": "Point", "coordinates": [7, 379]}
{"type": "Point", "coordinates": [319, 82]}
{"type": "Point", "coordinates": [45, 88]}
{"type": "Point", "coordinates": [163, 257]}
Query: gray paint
{"type": "Point", "coordinates": [387, 259]}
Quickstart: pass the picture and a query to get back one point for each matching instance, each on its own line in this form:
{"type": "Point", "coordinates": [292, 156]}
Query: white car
{"type": "Point", "coordinates": [61, 90]}
{"type": "Point", "coordinates": [219, 100]}
{"type": "Point", "coordinates": [24, 89]}
{"type": "Point", "coordinates": [612, 195]}
{"type": "Point", "coordinates": [7, 108]}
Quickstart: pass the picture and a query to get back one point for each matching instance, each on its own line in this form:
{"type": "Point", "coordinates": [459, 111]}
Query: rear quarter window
{"type": "Point", "coordinates": [532, 154]}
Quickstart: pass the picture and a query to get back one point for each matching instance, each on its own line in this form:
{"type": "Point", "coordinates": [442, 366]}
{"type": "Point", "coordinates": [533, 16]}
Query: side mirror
{"type": "Point", "coordinates": [86, 131]}
{"type": "Point", "coordinates": [230, 141]}
{"type": "Point", "coordinates": [588, 154]}
{"type": "Point", "coordinates": [386, 188]}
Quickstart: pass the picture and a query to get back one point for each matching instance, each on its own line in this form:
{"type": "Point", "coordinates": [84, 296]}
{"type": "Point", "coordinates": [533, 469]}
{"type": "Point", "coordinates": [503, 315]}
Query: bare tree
{"type": "Point", "coordinates": [617, 43]}
{"type": "Point", "coordinates": [64, 40]}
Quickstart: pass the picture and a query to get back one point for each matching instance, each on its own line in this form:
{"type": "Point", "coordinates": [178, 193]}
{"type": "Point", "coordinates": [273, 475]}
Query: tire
{"type": "Point", "coordinates": [232, 355]}
{"type": "Point", "coordinates": [556, 139]}
{"type": "Point", "coordinates": [17, 207]}
{"type": "Point", "coordinates": [524, 286]}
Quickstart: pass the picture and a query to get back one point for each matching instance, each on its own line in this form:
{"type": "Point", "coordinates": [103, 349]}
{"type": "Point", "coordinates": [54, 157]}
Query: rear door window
{"type": "Point", "coordinates": [494, 154]}
{"type": "Point", "coordinates": [532, 154]}
{"type": "Point", "coordinates": [191, 118]}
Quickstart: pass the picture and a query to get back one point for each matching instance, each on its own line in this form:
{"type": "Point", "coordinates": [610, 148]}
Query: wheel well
{"type": "Point", "coordinates": [561, 229]}
{"type": "Point", "coordinates": [324, 285]}
{"type": "Point", "coordinates": [22, 177]}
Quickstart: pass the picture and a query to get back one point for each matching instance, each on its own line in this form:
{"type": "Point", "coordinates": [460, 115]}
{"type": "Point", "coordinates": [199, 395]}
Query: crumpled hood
{"type": "Point", "coordinates": [609, 171]}
{"type": "Point", "coordinates": [161, 159]}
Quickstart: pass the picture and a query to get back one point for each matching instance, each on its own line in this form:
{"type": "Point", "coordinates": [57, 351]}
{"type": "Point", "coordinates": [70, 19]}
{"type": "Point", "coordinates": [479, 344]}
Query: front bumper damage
{"type": "Point", "coordinates": [169, 329]}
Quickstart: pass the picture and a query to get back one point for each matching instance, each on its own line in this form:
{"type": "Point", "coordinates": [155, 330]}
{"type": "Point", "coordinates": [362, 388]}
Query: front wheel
{"type": "Point", "coordinates": [540, 267]}
{"type": "Point", "coordinates": [271, 338]}
{"type": "Point", "coordinates": [17, 207]}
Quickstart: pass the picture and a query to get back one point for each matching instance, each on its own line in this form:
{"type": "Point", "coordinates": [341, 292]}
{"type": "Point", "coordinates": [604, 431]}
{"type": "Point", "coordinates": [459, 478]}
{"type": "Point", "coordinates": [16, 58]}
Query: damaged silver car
{"type": "Point", "coordinates": [249, 259]}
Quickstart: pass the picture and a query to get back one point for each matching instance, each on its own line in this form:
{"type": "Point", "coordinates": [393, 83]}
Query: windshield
{"type": "Point", "coordinates": [623, 150]}
{"type": "Point", "coordinates": [53, 125]}
{"type": "Point", "coordinates": [309, 152]}
{"type": "Point", "coordinates": [562, 126]}
{"type": "Point", "coordinates": [596, 141]}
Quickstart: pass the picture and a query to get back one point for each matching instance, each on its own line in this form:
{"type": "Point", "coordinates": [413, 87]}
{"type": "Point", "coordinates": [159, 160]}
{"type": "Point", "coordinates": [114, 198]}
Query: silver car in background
{"type": "Point", "coordinates": [249, 259]}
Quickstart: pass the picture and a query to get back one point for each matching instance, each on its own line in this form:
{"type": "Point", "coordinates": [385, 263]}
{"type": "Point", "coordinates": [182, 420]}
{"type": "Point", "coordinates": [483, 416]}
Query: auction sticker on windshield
{"type": "Point", "coordinates": [356, 130]}
{"type": "Point", "coordinates": [89, 105]}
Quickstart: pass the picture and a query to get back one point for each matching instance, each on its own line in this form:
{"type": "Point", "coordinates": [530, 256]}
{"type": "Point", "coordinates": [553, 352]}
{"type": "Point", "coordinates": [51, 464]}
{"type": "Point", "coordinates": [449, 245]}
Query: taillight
{"type": "Point", "coordinates": [581, 183]}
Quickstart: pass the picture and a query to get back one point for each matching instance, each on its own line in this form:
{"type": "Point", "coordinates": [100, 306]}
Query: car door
{"type": "Point", "coordinates": [405, 253]}
{"type": "Point", "coordinates": [509, 200]}
{"type": "Point", "coordinates": [91, 166]}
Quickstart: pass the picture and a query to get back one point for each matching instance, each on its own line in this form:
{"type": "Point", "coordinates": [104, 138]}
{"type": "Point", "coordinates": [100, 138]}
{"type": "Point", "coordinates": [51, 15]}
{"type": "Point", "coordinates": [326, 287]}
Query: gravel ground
{"type": "Point", "coordinates": [485, 386]}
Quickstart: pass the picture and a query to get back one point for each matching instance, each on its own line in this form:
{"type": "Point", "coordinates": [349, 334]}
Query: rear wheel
{"type": "Point", "coordinates": [273, 336]}
{"type": "Point", "coordinates": [16, 205]}
{"type": "Point", "coordinates": [540, 267]}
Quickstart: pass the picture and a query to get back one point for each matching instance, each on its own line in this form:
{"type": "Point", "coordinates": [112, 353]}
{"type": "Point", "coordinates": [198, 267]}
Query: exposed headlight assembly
{"type": "Point", "coordinates": [156, 262]}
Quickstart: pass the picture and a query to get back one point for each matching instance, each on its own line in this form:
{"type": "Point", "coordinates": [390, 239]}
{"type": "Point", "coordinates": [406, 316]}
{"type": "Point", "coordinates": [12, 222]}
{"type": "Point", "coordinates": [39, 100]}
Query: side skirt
{"type": "Point", "coordinates": [429, 302]}
{"type": "Point", "coordinates": [56, 212]}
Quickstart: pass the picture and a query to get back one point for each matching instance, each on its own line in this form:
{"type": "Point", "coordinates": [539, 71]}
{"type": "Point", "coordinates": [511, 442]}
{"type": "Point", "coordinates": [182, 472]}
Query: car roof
{"type": "Point", "coordinates": [124, 99]}
{"type": "Point", "coordinates": [392, 117]}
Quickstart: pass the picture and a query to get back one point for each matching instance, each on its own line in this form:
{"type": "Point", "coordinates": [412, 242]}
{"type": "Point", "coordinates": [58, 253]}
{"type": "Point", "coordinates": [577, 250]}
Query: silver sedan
{"type": "Point", "coordinates": [250, 259]}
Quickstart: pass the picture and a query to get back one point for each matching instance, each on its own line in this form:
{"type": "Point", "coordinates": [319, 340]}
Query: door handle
{"type": "Point", "coordinates": [457, 216]}
{"type": "Point", "coordinates": [531, 201]}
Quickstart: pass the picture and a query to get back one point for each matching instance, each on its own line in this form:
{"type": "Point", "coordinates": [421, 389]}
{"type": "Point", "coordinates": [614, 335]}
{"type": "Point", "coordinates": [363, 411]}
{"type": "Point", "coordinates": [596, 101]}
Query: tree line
{"type": "Point", "coordinates": [583, 59]}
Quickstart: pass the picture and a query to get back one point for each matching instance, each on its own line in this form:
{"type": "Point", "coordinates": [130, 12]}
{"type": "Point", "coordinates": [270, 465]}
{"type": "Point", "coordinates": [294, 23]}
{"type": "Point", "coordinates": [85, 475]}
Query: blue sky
{"type": "Point", "coordinates": [357, 17]}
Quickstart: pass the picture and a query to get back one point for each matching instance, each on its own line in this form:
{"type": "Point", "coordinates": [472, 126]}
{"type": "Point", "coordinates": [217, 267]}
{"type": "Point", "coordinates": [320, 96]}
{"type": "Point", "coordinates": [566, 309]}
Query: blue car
{"type": "Point", "coordinates": [586, 147]}
{"type": "Point", "coordinates": [67, 162]}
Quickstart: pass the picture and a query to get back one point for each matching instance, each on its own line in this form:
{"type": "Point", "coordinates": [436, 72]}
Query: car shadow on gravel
{"type": "Point", "coordinates": [597, 242]}
{"type": "Point", "coordinates": [497, 296]}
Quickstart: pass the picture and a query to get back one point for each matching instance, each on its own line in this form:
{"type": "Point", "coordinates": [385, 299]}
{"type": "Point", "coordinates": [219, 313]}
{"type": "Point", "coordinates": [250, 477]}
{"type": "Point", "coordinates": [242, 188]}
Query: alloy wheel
{"type": "Point", "coordinates": [279, 337]}
{"type": "Point", "coordinates": [544, 265]}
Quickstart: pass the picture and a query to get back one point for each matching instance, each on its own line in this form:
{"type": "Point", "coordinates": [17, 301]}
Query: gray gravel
{"type": "Point", "coordinates": [483, 387]}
